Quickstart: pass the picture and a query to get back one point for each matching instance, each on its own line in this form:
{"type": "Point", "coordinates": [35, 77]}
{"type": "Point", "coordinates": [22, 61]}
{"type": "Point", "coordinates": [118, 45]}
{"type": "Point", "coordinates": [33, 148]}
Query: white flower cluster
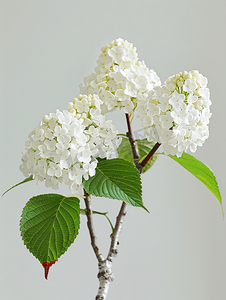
{"type": "Point", "coordinates": [65, 145]}
{"type": "Point", "coordinates": [177, 114]}
{"type": "Point", "coordinates": [120, 79]}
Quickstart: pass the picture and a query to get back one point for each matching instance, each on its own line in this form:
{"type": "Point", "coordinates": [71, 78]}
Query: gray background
{"type": "Point", "coordinates": [178, 251]}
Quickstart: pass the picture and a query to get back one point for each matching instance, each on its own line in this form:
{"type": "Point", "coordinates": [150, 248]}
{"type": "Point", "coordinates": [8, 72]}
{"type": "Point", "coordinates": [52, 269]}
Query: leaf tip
{"type": "Point", "coordinates": [5, 193]}
{"type": "Point", "coordinates": [46, 267]}
{"type": "Point", "coordinates": [222, 211]}
{"type": "Point", "coordinates": [146, 209]}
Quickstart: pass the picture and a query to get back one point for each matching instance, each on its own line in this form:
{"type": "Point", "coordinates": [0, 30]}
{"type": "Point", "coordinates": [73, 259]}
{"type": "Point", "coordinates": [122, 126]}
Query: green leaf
{"type": "Point", "coordinates": [30, 178]}
{"type": "Point", "coordinates": [49, 225]}
{"type": "Point", "coordinates": [94, 212]}
{"type": "Point", "coordinates": [143, 147]}
{"type": "Point", "coordinates": [200, 171]}
{"type": "Point", "coordinates": [118, 179]}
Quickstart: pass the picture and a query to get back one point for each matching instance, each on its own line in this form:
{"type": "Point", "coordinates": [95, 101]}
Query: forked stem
{"type": "Point", "coordinates": [105, 274]}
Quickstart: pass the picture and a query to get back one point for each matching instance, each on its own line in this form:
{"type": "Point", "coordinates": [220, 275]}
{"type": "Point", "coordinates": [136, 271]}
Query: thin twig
{"type": "Point", "coordinates": [129, 134]}
{"type": "Point", "coordinates": [136, 158]}
{"type": "Point", "coordinates": [149, 156]}
{"type": "Point", "coordinates": [91, 228]}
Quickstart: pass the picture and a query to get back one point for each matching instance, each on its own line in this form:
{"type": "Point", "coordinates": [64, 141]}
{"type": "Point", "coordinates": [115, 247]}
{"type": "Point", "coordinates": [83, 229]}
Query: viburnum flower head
{"type": "Point", "coordinates": [120, 79]}
{"type": "Point", "coordinates": [177, 114]}
{"type": "Point", "coordinates": [64, 147]}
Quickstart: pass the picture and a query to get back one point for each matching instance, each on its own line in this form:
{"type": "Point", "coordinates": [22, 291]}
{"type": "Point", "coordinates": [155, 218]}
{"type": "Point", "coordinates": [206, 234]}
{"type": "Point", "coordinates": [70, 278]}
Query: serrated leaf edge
{"type": "Point", "coordinates": [77, 227]}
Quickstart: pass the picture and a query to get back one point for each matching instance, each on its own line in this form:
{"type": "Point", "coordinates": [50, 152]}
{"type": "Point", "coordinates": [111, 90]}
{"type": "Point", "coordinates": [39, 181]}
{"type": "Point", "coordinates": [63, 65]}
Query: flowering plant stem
{"type": "Point", "coordinates": [105, 274]}
{"type": "Point", "coordinates": [129, 134]}
{"type": "Point", "coordinates": [150, 154]}
{"type": "Point", "coordinates": [136, 158]}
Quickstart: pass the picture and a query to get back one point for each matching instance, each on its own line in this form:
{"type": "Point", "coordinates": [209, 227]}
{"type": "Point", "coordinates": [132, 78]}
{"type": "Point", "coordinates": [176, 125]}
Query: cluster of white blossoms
{"type": "Point", "coordinates": [120, 79]}
{"type": "Point", "coordinates": [177, 114]}
{"type": "Point", "coordinates": [65, 145]}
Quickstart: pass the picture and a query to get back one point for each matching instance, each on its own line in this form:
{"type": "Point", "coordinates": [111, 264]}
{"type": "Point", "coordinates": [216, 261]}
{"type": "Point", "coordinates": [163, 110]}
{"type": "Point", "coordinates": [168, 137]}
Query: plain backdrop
{"type": "Point", "coordinates": [178, 251]}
